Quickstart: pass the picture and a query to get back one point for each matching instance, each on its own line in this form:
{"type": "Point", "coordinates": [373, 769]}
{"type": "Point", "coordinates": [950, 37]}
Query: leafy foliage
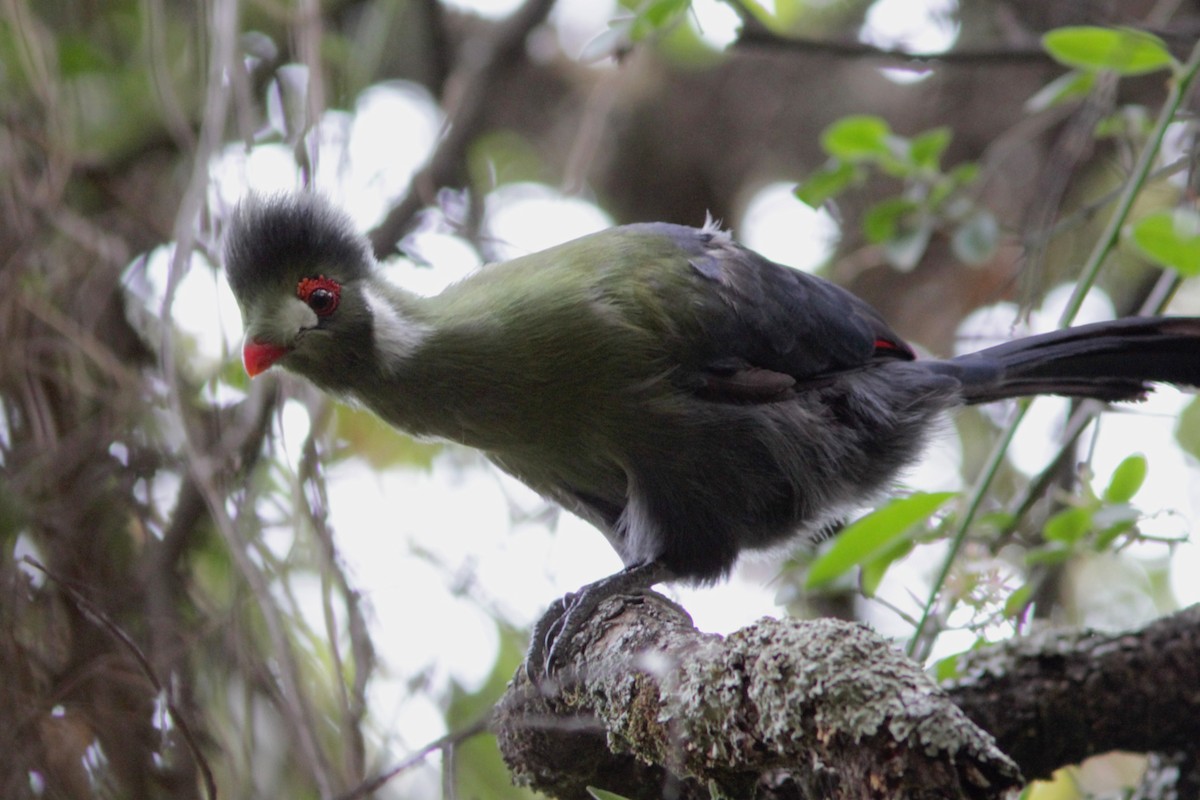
{"type": "Point", "coordinates": [648, 18]}
{"type": "Point", "coordinates": [1120, 50]}
{"type": "Point", "coordinates": [1171, 239]}
{"type": "Point", "coordinates": [870, 542]}
{"type": "Point", "coordinates": [932, 199]}
{"type": "Point", "coordinates": [1187, 431]}
{"type": "Point", "coordinates": [860, 146]}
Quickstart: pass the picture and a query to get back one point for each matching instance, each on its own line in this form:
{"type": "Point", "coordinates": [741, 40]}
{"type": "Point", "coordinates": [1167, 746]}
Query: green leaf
{"type": "Point", "coordinates": [1112, 521]}
{"type": "Point", "coordinates": [874, 570]}
{"type": "Point", "coordinates": [869, 536]}
{"type": "Point", "coordinates": [361, 434]}
{"type": "Point", "coordinates": [1187, 429]}
{"type": "Point", "coordinates": [882, 221]}
{"type": "Point", "coordinates": [603, 794]}
{"type": "Point", "coordinates": [1068, 86]}
{"type": "Point", "coordinates": [947, 669]}
{"type": "Point", "coordinates": [964, 174]}
{"type": "Point", "coordinates": [994, 521]}
{"type": "Point", "coordinates": [1126, 479]}
{"type": "Point", "coordinates": [78, 55]}
{"type": "Point", "coordinates": [655, 15]}
{"type": "Point", "coordinates": [858, 138]}
{"type": "Point", "coordinates": [1016, 603]}
{"type": "Point", "coordinates": [925, 150]}
{"type": "Point", "coordinates": [1122, 50]}
{"type": "Point", "coordinates": [1171, 239]}
{"type": "Point", "coordinates": [974, 241]}
{"type": "Point", "coordinates": [660, 12]}
{"type": "Point", "coordinates": [482, 773]}
{"type": "Point", "coordinates": [827, 182]}
{"type": "Point", "coordinates": [1048, 555]}
{"type": "Point", "coordinates": [1069, 525]}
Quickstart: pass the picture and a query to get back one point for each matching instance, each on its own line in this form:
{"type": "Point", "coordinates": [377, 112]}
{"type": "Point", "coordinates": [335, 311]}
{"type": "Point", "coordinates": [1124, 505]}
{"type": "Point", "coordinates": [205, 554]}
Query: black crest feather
{"type": "Point", "coordinates": [273, 237]}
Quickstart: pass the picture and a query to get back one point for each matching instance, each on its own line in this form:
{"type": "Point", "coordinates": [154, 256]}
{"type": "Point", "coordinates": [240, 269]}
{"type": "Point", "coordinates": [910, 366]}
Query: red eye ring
{"type": "Point", "coordinates": [320, 293]}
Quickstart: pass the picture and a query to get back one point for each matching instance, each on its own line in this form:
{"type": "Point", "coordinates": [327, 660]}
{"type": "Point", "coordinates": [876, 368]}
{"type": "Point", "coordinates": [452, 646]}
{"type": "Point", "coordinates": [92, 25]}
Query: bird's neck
{"type": "Point", "coordinates": [475, 365]}
{"type": "Point", "coordinates": [435, 370]}
{"type": "Point", "coordinates": [401, 326]}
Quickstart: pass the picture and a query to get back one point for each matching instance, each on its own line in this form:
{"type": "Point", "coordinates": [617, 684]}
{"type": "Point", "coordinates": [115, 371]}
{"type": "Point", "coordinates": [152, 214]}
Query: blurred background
{"type": "Point", "coordinates": [208, 581]}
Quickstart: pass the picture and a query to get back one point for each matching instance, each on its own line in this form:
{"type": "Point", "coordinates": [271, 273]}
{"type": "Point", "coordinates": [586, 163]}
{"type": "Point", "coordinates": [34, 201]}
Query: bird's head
{"type": "Point", "coordinates": [300, 273]}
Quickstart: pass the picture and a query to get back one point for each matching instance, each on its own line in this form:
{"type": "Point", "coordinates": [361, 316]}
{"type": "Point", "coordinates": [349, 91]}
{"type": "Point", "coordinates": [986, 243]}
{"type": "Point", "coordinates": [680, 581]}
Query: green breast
{"type": "Point", "coordinates": [553, 362]}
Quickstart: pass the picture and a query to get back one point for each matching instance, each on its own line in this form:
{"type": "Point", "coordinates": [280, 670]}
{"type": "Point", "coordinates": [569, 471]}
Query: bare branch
{"type": "Point", "coordinates": [474, 80]}
{"type": "Point", "coordinates": [446, 743]}
{"type": "Point", "coordinates": [760, 38]}
{"type": "Point", "coordinates": [92, 612]}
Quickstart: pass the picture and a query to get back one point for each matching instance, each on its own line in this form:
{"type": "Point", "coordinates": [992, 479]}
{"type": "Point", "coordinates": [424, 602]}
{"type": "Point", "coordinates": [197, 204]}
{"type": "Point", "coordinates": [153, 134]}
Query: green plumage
{"type": "Point", "coordinates": [537, 349]}
{"type": "Point", "coordinates": [546, 366]}
{"type": "Point", "coordinates": [685, 395]}
{"type": "Point", "coordinates": [641, 377]}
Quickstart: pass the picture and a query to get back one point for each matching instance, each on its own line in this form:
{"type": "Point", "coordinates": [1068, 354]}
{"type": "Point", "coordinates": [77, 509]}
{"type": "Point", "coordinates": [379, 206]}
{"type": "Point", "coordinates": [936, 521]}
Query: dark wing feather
{"type": "Point", "coordinates": [762, 328]}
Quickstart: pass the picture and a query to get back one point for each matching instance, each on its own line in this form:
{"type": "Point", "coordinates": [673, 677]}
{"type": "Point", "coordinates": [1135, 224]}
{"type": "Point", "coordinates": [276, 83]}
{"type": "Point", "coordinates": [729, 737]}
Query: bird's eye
{"type": "Point", "coordinates": [322, 301]}
{"type": "Point", "coordinates": [320, 293]}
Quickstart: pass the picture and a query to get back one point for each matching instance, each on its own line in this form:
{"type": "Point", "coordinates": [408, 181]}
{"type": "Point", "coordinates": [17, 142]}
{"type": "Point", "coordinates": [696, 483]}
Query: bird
{"type": "Point", "coordinates": [685, 395]}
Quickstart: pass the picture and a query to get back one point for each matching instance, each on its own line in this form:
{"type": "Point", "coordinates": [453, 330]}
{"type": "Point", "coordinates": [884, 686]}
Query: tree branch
{"type": "Point", "coordinates": [827, 709]}
{"type": "Point", "coordinates": [759, 37]}
{"type": "Point", "coordinates": [475, 79]}
{"type": "Point", "coordinates": [822, 708]}
{"type": "Point", "coordinates": [1056, 697]}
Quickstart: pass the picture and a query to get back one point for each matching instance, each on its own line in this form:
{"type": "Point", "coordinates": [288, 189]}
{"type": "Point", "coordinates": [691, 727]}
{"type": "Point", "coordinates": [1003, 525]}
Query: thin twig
{"type": "Point", "coordinates": [1180, 87]}
{"type": "Point", "coordinates": [1074, 144]}
{"type": "Point", "coordinates": [449, 740]}
{"type": "Point", "coordinates": [175, 119]}
{"type": "Point", "coordinates": [90, 611]}
{"type": "Point", "coordinates": [1085, 213]}
{"type": "Point", "coordinates": [297, 710]}
{"type": "Point", "coordinates": [761, 38]}
{"type": "Point", "coordinates": [333, 579]}
{"type": "Point", "coordinates": [476, 79]}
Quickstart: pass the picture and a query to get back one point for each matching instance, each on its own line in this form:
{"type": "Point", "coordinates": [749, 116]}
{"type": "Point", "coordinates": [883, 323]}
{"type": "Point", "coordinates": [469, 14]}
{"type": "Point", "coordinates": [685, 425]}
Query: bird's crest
{"type": "Point", "coordinates": [273, 236]}
{"type": "Point", "coordinates": [712, 228]}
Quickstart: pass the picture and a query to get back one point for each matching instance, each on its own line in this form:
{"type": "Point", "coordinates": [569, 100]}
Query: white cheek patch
{"type": "Point", "coordinates": [281, 321]}
{"type": "Point", "coordinates": [298, 316]}
{"type": "Point", "coordinates": [396, 338]}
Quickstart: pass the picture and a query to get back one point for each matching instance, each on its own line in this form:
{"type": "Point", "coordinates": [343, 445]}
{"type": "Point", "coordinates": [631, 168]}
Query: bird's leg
{"type": "Point", "coordinates": [553, 634]}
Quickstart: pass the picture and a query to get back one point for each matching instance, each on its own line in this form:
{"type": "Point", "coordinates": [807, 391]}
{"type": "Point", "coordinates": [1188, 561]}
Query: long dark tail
{"type": "Point", "coordinates": [1114, 360]}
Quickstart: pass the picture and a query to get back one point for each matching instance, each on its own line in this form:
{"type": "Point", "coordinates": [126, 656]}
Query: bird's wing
{"type": "Point", "coordinates": [751, 329]}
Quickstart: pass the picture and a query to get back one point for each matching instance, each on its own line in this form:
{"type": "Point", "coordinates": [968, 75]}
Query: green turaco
{"type": "Point", "coordinates": [686, 396]}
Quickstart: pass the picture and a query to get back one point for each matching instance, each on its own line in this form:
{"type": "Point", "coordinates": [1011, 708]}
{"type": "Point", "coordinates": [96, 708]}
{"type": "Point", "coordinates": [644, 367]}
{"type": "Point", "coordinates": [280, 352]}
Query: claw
{"type": "Point", "coordinates": [552, 644]}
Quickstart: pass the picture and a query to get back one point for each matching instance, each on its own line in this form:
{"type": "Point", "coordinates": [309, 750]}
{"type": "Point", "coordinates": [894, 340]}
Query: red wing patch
{"type": "Point", "coordinates": [895, 349]}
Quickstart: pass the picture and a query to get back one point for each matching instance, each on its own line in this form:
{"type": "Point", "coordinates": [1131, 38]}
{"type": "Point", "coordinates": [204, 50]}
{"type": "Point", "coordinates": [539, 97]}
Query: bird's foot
{"type": "Point", "coordinates": [552, 644]}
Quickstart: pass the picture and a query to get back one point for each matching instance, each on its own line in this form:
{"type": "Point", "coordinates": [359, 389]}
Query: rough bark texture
{"type": "Point", "coordinates": [788, 708]}
{"type": "Point", "coordinates": [782, 708]}
{"type": "Point", "coordinates": [1056, 697]}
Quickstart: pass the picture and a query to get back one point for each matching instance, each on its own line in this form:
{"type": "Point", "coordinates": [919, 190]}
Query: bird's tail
{"type": "Point", "coordinates": [1114, 360]}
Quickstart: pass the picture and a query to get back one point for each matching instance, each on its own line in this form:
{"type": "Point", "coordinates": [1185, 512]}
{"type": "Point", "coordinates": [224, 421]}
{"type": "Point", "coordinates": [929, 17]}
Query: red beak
{"type": "Point", "coordinates": [258, 356]}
